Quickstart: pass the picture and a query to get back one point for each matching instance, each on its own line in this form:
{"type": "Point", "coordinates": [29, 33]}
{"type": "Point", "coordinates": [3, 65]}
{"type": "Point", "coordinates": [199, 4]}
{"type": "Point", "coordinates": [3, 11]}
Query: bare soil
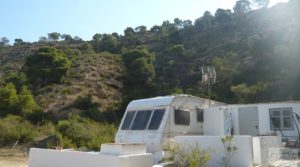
{"type": "Point", "coordinates": [13, 158]}
{"type": "Point", "coordinates": [13, 161]}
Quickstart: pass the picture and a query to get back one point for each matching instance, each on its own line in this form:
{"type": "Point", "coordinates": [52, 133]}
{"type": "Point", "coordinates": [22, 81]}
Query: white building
{"type": "Point", "coordinates": [260, 119]}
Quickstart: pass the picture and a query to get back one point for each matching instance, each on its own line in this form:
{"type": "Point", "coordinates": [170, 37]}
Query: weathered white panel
{"type": "Point", "coordinates": [214, 121]}
{"type": "Point", "coordinates": [217, 121]}
{"type": "Point", "coordinates": [256, 151]}
{"type": "Point", "coordinates": [122, 149]}
{"type": "Point", "coordinates": [242, 158]}
{"type": "Point", "coordinates": [261, 147]}
{"type": "Point", "coordinates": [150, 102]}
{"type": "Point", "coordinates": [57, 158]}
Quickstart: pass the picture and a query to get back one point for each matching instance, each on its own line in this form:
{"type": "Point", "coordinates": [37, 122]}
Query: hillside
{"type": "Point", "coordinates": [255, 52]}
{"type": "Point", "coordinates": [92, 74]}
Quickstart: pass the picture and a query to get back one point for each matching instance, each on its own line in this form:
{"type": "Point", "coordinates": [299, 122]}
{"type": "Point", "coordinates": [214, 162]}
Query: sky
{"type": "Point", "coordinates": [31, 19]}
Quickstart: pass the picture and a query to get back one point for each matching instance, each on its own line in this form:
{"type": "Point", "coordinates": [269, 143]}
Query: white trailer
{"type": "Point", "coordinates": [155, 121]}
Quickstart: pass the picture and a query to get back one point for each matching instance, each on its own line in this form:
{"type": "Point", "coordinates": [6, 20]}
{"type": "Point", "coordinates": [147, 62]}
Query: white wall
{"type": "Point", "coordinates": [214, 121]}
{"type": "Point", "coordinates": [242, 158]}
{"type": "Point", "coordinates": [261, 145]}
{"type": "Point", "coordinates": [256, 151]}
{"type": "Point", "coordinates": [56, 158]}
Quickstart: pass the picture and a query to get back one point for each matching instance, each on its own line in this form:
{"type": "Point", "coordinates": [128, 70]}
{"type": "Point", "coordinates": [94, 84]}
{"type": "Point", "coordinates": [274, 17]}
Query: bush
{"type": "Point", "coordinates": [183, 156]}
{"type": "Point", "coordinates": [83, 102]}
{"type": "Point", "coordinates": [82, 132]}
{"type": "Point", "coordinates": [47, 65]}
{"type": "Point", "coordinates": [15, 128]}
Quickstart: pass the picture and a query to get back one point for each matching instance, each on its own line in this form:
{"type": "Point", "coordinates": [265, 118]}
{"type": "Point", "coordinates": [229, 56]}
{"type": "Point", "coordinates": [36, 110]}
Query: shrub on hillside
{"type": "Point", "coordinates": [15, 129]}
{"type": "Point", "coordinates": [47, 65]}
{"type": "Point", "coordinates": [19, 103]}
{"type": "Point", "coordinates": [82, 132]}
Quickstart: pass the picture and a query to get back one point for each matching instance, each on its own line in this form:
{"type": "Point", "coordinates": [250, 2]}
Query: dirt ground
{"type": "Point", "coordinates": [13, 161]}
{"type": "Point", "coordinates": [13, 158]}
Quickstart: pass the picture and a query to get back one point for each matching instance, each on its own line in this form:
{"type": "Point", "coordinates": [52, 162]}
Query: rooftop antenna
{"type": "Point", "coordinates": [209, 76]}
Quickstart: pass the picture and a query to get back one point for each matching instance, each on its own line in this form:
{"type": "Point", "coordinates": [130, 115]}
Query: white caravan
{"type": "Point", "coordinates": [154, 121]}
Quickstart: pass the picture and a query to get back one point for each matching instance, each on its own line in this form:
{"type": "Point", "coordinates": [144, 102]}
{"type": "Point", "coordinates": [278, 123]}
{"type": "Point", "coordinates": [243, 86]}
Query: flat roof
{"type": "Point", "coordinates": [262, 103]}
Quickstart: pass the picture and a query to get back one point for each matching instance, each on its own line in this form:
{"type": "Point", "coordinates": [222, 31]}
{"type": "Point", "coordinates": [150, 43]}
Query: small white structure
{"type": "Point", "coordinates": [118, 155]}
{"type": "Point", "coordinates": [267, 123]}
{"type": "Point", "coordinates": [260, 119]}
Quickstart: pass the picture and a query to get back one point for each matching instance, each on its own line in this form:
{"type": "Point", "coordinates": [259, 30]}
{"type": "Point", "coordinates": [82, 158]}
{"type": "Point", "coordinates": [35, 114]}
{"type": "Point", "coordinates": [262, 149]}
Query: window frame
{"type": "Point", "coordinates": [200, 118]}
{"type": "Point", "coordinates": [184, 110]}
{"type": "Point", "coordinates": [129, 128]}
{"type": "Point", "coordinates": [282, 118]}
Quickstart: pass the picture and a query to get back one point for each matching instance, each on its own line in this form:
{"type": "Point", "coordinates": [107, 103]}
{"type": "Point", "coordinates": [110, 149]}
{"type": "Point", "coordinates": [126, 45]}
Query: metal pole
{"type": "Point", "coordinates": [208, 94]}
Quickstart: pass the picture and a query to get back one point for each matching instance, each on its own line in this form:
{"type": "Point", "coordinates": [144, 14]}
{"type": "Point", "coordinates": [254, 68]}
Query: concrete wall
{"type": "Point", "coordinates": [242, 158]}
{"type": "Point", "coordinates": [261, 147]}
{"type": "Point", "coordinates": [57, 158]}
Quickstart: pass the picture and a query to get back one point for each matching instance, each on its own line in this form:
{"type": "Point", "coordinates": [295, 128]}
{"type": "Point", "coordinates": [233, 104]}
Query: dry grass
{"type": "Point", "coordinates": [13, 158]}
{"type": "Point", "coordinates": [13, 161]}
{"type": "Point", "coordinates": [98, 75]}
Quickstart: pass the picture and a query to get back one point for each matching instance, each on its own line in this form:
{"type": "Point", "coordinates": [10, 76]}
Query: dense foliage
{"type": "Point", "coordinates": [47, 65]}
{"type": "Point", "coordinates": [255, 50]}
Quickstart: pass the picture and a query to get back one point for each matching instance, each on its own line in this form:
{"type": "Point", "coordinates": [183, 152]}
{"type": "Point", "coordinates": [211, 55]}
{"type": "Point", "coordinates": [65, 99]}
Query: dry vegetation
{"type": "Point", "coordinates": [95, 75]}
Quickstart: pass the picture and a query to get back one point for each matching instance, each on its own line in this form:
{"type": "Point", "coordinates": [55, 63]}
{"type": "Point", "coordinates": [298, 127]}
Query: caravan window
{"type": "Point", "coordinates": [182, 117]}
{"type": "Point", "coordinates": [141, 120]}
{"type": "Point", "coordinates": [281, 118]}
{"type": "Point", "coordinates": [156, 119]}
{"type": "Point", "coordinates": [128, 119]}
{"type": "Point", "coordinates": [199, 115]}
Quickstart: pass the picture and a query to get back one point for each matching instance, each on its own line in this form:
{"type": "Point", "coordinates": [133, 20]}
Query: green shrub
{"type": "Point", "coordinates": [82, 132]}
{"type": "Point", "coordinates": [83, 102]}
{"type": "Point", "coordinates": [47, 65]}
{"type": "Point", "coordinates": [192, 156]}
{"type": "Point", "coordinates": [15, 128]}
{"type": "Point", "coordinates": [9, 100]}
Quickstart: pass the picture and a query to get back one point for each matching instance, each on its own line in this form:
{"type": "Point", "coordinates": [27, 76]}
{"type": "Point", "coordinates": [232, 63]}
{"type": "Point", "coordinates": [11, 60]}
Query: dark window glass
{"type": "Point", "coordinates": [156, 119]}
{"type": "Point", "coordinates": [286, 112]}
{"type": "Point", "coordinates": [127, 121]}
{"type": "Point", "coordinates": [287, 122]}
{"type": "Point", "coordinates": [276, 122]}
{"type": "Point", "coordinates": [276, 113]}
{"type": "Point", "coordinates": [199, 115]}
{"type": "Point", "coordinates": [141, 120]}
{"type": "Point", "coordinates": [182, 117]}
